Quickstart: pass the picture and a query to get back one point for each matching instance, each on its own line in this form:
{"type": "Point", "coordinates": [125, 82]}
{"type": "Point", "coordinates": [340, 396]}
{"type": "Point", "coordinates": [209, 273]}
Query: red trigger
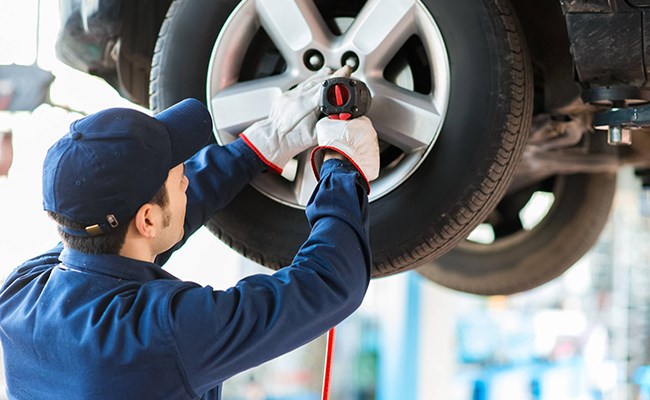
{"type": "Point", "coordinates": [339, 95]}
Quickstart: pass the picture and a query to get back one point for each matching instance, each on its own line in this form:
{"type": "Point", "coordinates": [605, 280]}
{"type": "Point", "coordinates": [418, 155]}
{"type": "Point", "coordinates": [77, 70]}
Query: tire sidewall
{"type": "Point", "coordinates": [183, 52]}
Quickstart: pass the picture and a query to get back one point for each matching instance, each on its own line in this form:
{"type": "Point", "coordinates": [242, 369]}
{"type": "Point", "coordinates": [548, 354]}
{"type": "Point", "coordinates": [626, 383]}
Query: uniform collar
{"type": "Point", "coordinates": [113, 265]}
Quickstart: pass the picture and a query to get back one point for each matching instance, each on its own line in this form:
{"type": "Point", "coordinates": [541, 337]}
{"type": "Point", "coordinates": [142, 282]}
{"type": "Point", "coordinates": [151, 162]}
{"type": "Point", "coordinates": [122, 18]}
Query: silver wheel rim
{"type": "Point", "coordinates": [404, 119]}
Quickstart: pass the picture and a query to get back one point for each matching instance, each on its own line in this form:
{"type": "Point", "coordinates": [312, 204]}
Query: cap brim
{"type": "Point", "coordinates": [189, 125]}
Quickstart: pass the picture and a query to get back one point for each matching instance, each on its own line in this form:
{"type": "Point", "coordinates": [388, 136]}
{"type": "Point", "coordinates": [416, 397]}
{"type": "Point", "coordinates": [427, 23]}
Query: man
{"type": "Point", "coordinates": [97, 318]}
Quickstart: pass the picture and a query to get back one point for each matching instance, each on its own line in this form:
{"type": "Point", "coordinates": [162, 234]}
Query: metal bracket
{"type": "Point", "coordinates": [620, 121]}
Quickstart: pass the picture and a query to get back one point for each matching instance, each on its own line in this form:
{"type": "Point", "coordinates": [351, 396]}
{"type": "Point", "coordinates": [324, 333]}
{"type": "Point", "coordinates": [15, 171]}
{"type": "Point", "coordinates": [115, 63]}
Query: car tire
{"type": "Point", "coordinates": [453, 189]}
{"type": "Point", "coordinates": [526, 259]}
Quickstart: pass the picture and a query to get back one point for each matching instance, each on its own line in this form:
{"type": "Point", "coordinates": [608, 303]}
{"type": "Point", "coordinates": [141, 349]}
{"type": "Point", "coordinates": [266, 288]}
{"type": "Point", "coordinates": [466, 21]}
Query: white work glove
{"type": "Point", "coordinates": [289, 128]}
{"type": "Point", "coordinates": [355, 139]}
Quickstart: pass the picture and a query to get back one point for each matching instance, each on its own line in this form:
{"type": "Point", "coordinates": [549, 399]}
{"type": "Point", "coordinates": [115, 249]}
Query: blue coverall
{"type": "Point", "coordinates": [85, 326]}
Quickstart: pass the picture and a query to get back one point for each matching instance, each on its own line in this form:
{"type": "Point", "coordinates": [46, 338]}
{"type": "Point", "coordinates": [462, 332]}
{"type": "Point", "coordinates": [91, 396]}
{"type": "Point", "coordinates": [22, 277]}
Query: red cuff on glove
{"type": "Point", "coordinates": [259, 154]}
{"type": "Point", "coordinates": [316, 168]}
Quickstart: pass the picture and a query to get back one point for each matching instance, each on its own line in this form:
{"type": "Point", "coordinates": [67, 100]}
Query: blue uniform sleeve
{"type": "Point", "coordinates": [216, 174]}
{"type": "Point", "coordinates": [221, 333]}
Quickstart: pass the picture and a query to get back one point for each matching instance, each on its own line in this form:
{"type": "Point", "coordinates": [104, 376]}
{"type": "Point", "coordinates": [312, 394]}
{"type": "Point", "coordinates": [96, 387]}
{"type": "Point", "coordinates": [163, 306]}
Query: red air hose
{"type": "Point", "coordinates": [329, 355]}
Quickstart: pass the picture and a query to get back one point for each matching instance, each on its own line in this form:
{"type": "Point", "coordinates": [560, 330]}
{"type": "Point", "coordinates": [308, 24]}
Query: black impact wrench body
{"type": "Point", "coordinates": [344, 98]}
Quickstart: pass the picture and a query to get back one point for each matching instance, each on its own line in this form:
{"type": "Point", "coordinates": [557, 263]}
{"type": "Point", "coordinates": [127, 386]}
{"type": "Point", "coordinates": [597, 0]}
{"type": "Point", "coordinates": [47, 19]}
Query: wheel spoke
{"type": "Point", "coordinates": [405, 119]}
{"type": "Point", "coordinates": [380, 29]}
{"type": "Point", "coordinates": [238, 106]}
{"type": "Point", "coordinates": [292, 25]}
{"type": "Point", "coordinates": [305, 181]}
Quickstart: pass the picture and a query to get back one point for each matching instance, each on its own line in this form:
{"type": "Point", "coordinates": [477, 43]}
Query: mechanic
{"type": "Point", "coordinates": [98, 318]}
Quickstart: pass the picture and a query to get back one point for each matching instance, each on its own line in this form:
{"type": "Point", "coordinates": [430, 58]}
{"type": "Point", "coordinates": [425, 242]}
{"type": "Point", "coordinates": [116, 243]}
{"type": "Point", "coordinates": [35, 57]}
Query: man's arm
{"type": "Point", "coordinates": [216, 175]}
{"type": "Point", "coordinates": [221, 333]}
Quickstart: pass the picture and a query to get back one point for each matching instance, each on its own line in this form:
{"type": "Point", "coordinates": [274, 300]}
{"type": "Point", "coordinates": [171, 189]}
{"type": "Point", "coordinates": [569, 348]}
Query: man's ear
{"type": "Point", "coordinates": [144, 221]}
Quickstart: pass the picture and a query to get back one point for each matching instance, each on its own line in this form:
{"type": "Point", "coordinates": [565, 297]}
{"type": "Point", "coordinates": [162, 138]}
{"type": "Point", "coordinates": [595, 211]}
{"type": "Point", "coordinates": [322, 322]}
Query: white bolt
{"type": "Point", "coordinates": [617, 136]}
{"type": "Point", "coordinates": [352, 62]}
{"type": "Point", "coordinates": [315, 60]}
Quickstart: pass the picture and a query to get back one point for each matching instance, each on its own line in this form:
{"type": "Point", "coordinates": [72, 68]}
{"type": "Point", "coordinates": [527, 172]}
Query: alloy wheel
{"type": "Point", "coordinates": [395, 46]}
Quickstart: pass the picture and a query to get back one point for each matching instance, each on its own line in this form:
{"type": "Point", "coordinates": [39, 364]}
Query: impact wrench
{"type": "Point", "coordinates": [341, 98]}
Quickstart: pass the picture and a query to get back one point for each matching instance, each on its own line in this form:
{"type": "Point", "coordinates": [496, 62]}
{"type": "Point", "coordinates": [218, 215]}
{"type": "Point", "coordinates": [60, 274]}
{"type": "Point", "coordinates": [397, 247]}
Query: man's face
{"type": "Point", "coordinates": [174, 213]}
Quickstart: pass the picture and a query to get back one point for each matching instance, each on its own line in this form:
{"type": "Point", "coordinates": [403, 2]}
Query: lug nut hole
{"type": "Point", "coordinates": [313, 60]}
{"type": "Point", "coordinates": [350, 59]}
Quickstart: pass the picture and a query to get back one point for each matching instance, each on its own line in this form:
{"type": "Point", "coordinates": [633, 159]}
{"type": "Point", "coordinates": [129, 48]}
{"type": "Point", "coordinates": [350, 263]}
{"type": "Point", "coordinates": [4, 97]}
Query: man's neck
{"type": "Point", "coordinates": [136, 249]}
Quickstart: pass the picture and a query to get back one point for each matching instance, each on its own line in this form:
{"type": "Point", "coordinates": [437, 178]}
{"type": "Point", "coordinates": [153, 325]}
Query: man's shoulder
{"type": "Point", "coordinates": [39, 263]}
{"type": "Point", "coordinates": [49, 257]}
{"type": "Point", "coordinates": [29, 271]}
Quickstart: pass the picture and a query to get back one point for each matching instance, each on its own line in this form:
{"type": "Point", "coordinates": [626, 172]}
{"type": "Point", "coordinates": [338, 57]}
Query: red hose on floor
{"type": "Point", "coordinates": [329, 355]}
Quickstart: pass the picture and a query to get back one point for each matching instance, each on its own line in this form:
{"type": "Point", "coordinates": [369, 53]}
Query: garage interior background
{"type": "Point", "coordinates": [583, 336]}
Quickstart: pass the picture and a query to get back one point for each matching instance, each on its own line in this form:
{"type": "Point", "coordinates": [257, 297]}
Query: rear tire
{"type": "Point", "coordinates": [527, 259]}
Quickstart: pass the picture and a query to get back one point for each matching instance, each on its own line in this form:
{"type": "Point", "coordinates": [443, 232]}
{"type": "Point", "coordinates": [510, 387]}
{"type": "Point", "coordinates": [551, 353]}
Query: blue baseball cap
{"type": "Point", "coordinates": [112, 162]}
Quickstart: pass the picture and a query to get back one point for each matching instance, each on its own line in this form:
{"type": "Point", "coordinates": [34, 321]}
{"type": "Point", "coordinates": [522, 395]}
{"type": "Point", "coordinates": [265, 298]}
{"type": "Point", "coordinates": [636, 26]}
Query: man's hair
{"type": "Point", "coordinates": [110, 243]}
